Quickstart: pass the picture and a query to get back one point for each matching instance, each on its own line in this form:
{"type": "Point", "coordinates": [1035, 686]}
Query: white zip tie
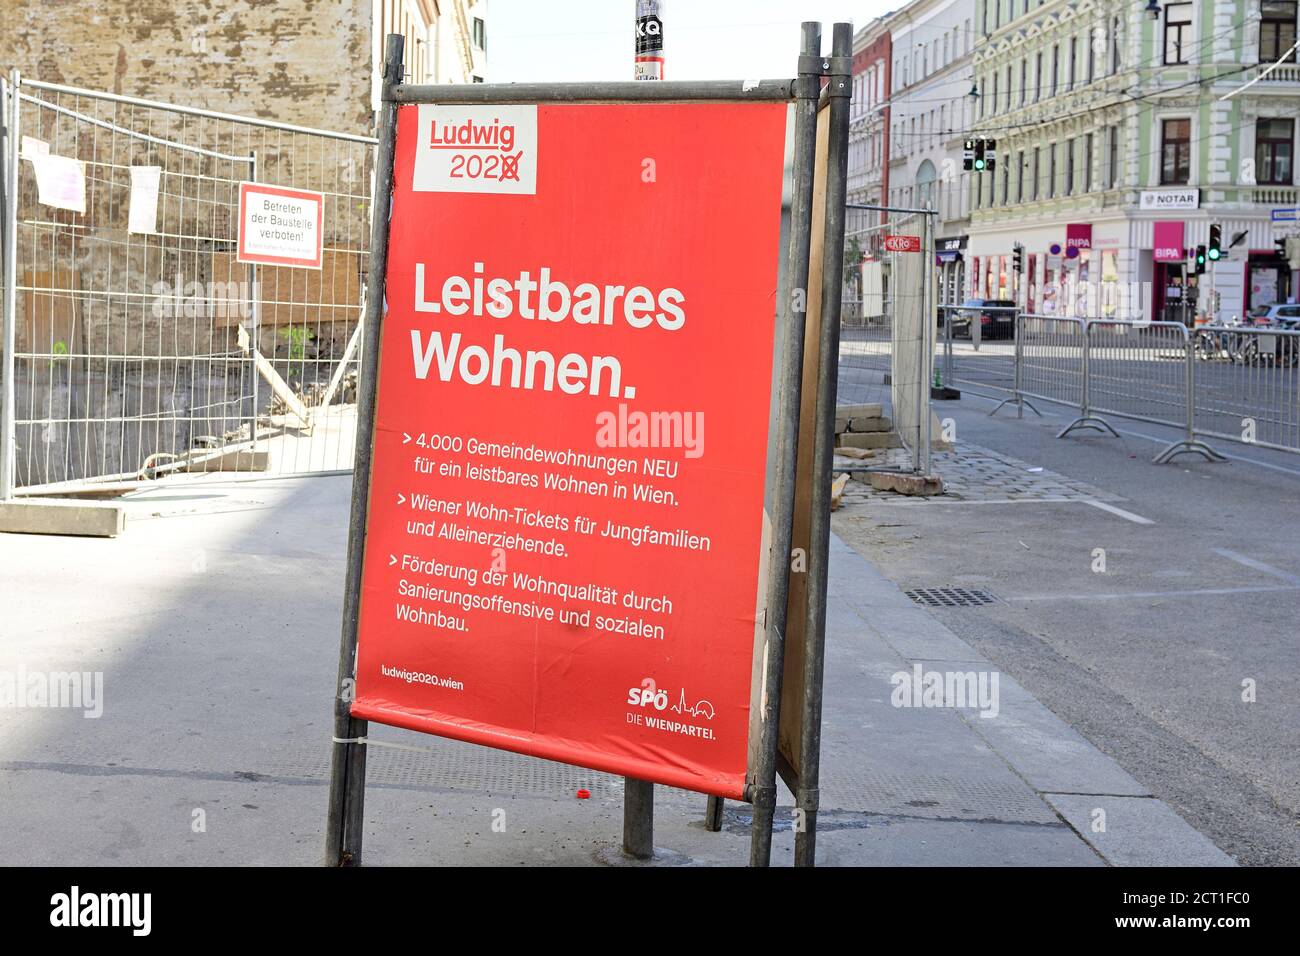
{"type": "Point", "coordinates": [382, 743]}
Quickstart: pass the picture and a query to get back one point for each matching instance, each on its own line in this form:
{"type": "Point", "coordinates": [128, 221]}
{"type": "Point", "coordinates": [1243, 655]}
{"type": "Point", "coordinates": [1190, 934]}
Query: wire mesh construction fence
{"type": "Point", "coordinates": [137, 345]}
{"type": "Point", "coordinates": [887, 320]}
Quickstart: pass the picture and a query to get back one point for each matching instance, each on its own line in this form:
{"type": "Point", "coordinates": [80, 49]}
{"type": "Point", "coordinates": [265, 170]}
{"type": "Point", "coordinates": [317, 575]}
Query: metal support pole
{"type": "Point", "coordinates": [819, 536]}
{"type": "Point", "coordinates": [9, 330]}
{"type": "Point", "coordinates": [790, 376]}
{"type": "Point", "coordinates": [713, 814]}
{"type": "Point", "coordinates": [347, 792]}
{"type": "Point", "coordinates": [639, 795]}
{"type": "Point", "coordinates": [1017, 353]}
{"type": "Point", "coordinates": [926, 353]}
{"type": "Point", "coordinates": [254, 322]}
{"type": "Point", "coordinates": [1086, 418]}
{"type": "Point", "coordinates": [638, 818]}
{"type": "Point", "coordinates": [1189, 441]}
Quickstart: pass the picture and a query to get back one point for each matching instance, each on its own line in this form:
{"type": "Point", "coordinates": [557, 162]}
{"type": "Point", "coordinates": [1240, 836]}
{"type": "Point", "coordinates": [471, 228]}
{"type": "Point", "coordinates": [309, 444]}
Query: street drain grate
{"type": "Point", "coordinates": [950, 597]}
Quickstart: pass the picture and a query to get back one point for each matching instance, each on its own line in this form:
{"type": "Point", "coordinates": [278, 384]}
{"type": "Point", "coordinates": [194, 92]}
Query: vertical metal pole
{"type": "Point", "coordinates": [927, 337]}
{"type": "Point", "coordinates": [639, 795]}
{"type": "Point", "coordinates": [819, 536]}
{"type": "Point", "coordinates": [949, 376]}
{"type": "Point", "coordinates": [790, 377]}
{"type": "Point", "coordinates": [1084, 412]}
{"type": "Point", "coordinates": [254, 322]}
{"type": "Point", "coordinates": [9, 332]}
{"type": "Point", "coordinates": [648, 62]}
{"type": "Point", "coordinates": [1017, 347]}
{"type": "Point", "coordinates": [344, 823]}
{"type": "Point", "coordinates": [638, 818]}
{"type": "Point", "coordinates": [1190, 353]}
{"type": "Point", "coordinates": [713, 814]}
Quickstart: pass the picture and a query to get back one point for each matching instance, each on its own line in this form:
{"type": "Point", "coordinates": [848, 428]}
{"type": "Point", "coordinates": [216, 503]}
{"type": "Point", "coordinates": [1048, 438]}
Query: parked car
{"type": "Point", "coordinates": [1285, 315]}
{"type": "Point", "coordinates": [997, 318]}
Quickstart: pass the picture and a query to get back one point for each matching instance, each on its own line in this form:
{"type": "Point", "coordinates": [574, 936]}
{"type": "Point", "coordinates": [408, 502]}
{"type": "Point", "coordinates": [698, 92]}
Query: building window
{"type": "Point", "coordinates": [1056, 65]}
{"type": "Point", "coordinates": [1036, 171]}
{"type": "Point", "coordinates": [993, 107]}
{"type": "Point", "coordinates": [1274, 151]}
{"type": "Point", "coordinates": [1020, 176]}
{"type": "Point", "coordinates": [1114, 46]}
{"type": "Point", "coordinates": [1069, 167]}
{"type": "Point", "coordinates": [1024, 77]}
{"type": "Point", "coordinates": [1087, 163]}
{"type": "Point", "coordinates": [480, 33]}
{"type": "Point", "coordinates": [1175, 152]}
{"type": "Point", "coordinates": [1096, 34]}
{"type": "Point", "coordinates": [1074, 59]}
{"type": "Point", "coordinates": [1038, 77]}
{"type": "Point", "coordinates": [1051, 171]}
{"type": "Point", "coordinates": [1112, 162]}
{"type": "Point", "coordinates": [1276, 30]}
{"type": "Point", "coordinates": [1178, 32]}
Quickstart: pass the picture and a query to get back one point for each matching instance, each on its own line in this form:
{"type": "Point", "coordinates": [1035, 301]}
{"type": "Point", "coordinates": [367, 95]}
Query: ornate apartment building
{"type": "Point", "coordinates": [911, 105]}
{"type": "Point", "coordinates": [1122, 133]}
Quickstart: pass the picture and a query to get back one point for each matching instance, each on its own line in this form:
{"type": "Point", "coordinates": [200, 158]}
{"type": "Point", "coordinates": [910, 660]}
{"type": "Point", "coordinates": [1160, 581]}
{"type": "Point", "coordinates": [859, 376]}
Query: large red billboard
{"type": "Point", "coordinates": [566, 496]}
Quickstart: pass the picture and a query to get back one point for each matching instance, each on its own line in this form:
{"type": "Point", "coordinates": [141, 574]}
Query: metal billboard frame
{"type": "Point", "coordinates": [345, 819]}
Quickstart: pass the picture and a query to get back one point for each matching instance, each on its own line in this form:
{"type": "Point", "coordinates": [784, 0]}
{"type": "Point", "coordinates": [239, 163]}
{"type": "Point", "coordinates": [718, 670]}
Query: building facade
{"type": "Point", "coordinates": [930, 111]}
{"type": "Point", "coordinates": [1122, 133]}
{"type": "Point", "coordinates": [312, 64]}
{"type": "Point", "coordinates": [868, 168]}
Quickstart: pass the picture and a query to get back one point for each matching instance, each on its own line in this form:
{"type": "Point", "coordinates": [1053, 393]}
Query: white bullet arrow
{"type": "Point", "coordinates": [401, 498]}
{"type": "Point", "coordinates": [391, 560]}
{"type": "Point", "coordinates": [405, 438]}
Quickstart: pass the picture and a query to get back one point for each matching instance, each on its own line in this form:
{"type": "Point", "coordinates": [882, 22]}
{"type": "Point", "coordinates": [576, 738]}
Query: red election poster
{"type": "Point", "coordinates": [565, 514]}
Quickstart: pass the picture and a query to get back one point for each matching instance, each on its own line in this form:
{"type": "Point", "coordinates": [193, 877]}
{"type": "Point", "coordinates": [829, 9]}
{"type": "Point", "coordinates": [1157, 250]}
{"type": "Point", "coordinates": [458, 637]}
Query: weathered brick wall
{"type": "Point", "coordinates": [297, 61]}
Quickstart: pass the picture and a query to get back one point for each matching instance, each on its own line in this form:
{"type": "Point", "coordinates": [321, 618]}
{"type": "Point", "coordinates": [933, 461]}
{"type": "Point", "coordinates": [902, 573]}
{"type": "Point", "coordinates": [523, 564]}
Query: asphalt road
{"type": "Point", "coordinates": [1149, 658]}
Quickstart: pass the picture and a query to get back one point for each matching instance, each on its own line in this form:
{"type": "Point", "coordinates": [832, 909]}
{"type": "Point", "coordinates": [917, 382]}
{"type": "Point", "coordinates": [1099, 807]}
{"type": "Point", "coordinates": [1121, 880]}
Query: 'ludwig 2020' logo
{"type": "Point", "coordinates": [476, 149]}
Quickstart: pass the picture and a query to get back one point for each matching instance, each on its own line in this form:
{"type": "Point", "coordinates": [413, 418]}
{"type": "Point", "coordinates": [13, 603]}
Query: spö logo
{"type": "Point", "coordinates": [475, 149]}
{"type": "Point", "coordinates": [647, 695]}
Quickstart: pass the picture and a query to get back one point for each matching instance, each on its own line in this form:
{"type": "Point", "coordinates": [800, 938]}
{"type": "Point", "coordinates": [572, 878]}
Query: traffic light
{"type": "Point", "coordinates": [1215, 253]}
{"type": "Point", "coordinates": [1018, 258]}
{"type": "Point", "coordinates": [979, 155]}
{"type": "Point", "coordinates": [1200, 260]}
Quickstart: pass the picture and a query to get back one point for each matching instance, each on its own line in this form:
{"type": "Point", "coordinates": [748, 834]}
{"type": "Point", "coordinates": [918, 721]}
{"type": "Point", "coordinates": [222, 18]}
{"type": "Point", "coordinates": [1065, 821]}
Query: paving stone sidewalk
{"type": "Point", "coordinates": [973, 473]}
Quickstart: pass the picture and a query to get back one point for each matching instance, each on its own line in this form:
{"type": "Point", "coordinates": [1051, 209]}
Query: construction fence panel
{"type": "Point", "coordinates": [1050, 353]}
{"type": "Point", "coordinates": [143, 347]}
{"type": "Point", "coordinates": [975, 348]}
{"type": "Point", "coordinates": [1248, 385]}
{"type": "Point", "coordinates": [1138, 370]}
{"type": "Point", "coordinates": [887, 320]}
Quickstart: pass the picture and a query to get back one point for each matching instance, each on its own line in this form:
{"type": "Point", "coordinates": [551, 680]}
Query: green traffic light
{"type": "Point", "coordinates": [979, 164]}
{"type": "Point", "coordinates": [1215, 253]}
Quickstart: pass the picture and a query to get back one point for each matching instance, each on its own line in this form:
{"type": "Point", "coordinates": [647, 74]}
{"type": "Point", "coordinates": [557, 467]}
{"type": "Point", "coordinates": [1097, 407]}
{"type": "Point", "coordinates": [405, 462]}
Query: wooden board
{"type": "Point", "coordinates": [792, 696]}
{"type": "Point", "coordinates": [287, 296]}
{"type": "Point", "coordinates": [49, 321]}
